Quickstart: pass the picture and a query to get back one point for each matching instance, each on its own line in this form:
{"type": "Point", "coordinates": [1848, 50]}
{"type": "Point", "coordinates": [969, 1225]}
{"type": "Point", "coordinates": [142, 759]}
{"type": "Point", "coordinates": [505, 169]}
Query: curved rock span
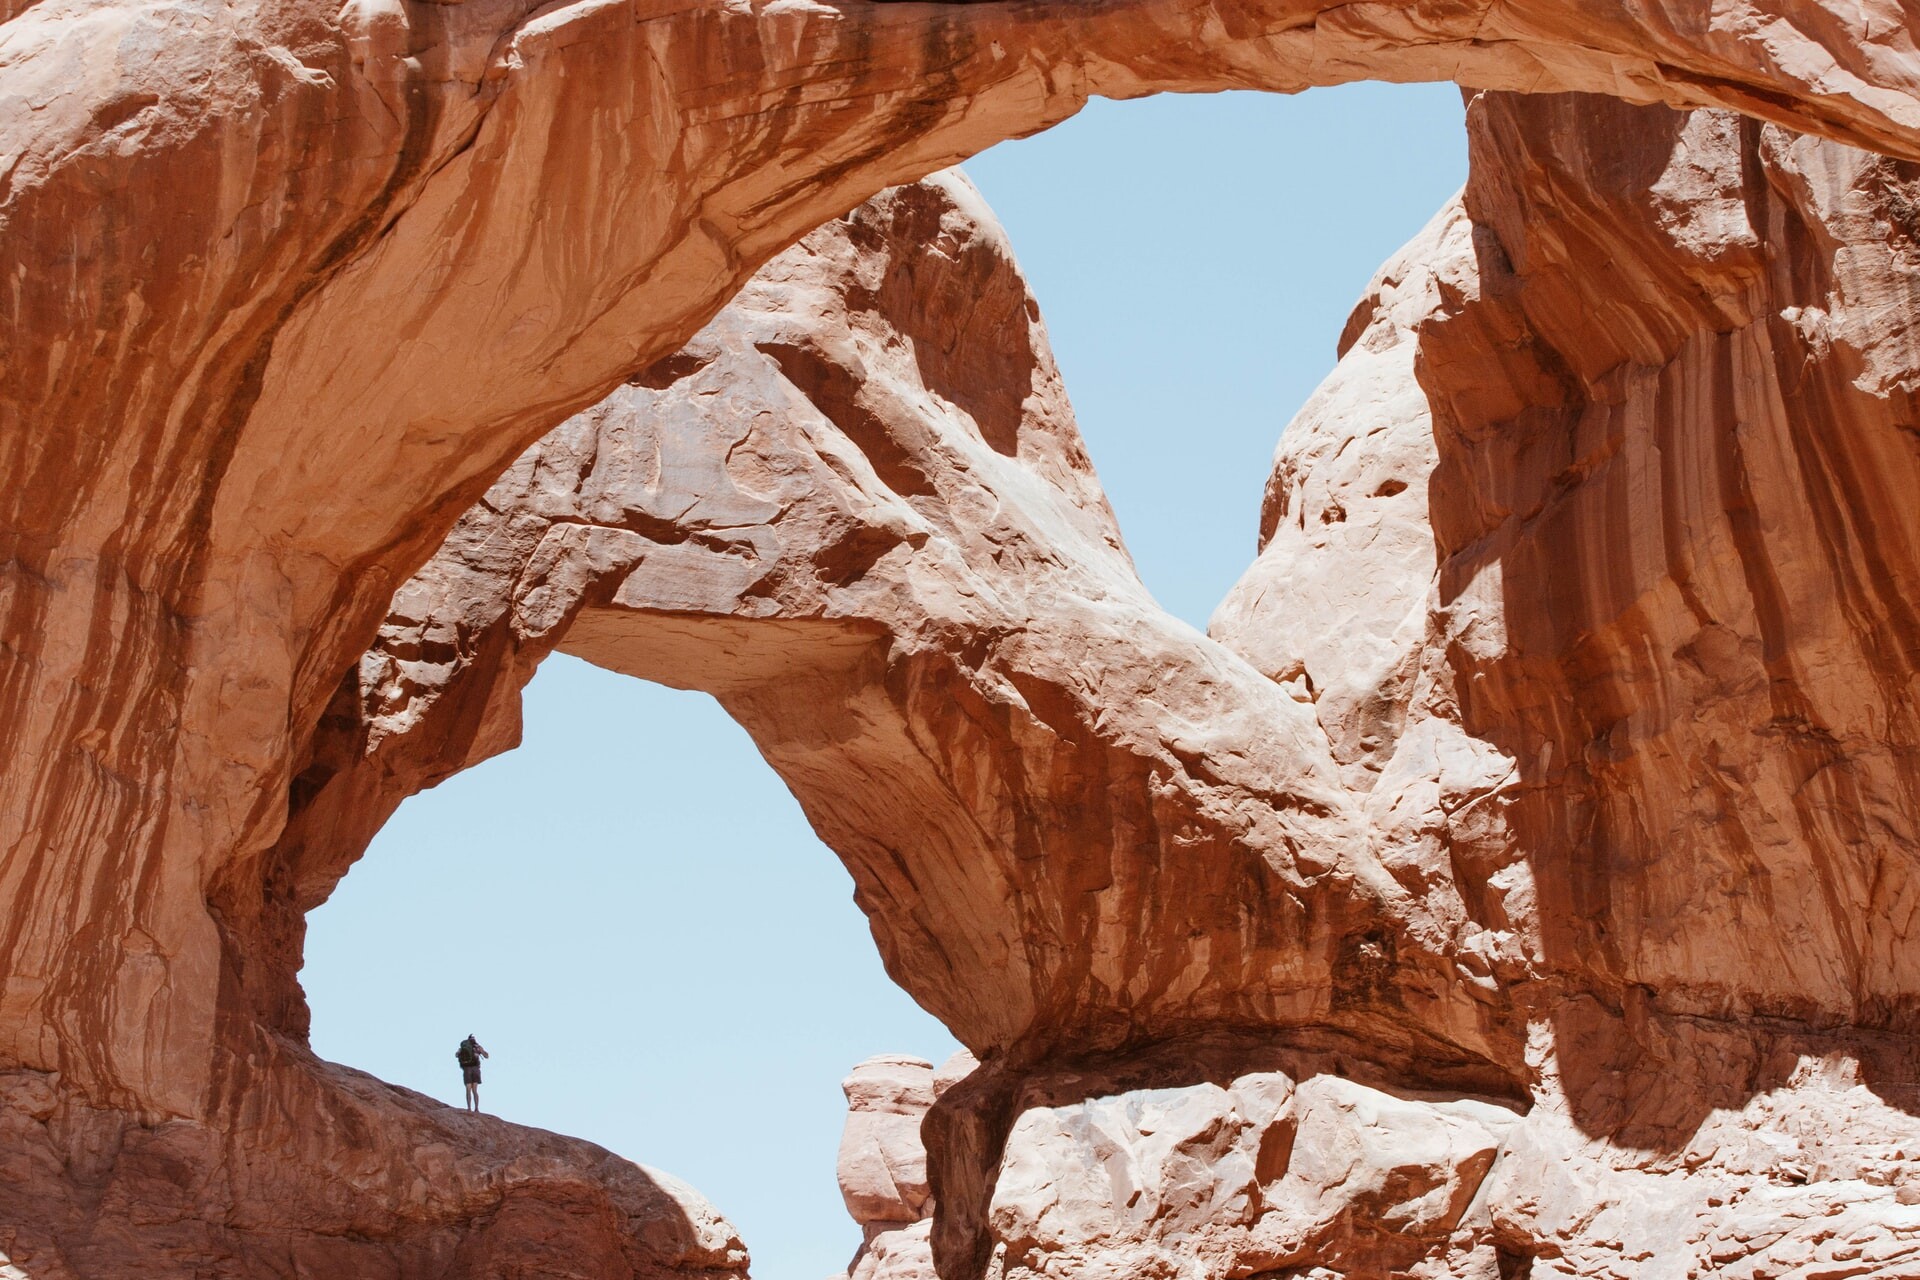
{"type": "Point", "coordinates": [1306, 888]}
{"type": "Point", "coordinates": [294, 282]}
{"type": "Point", "coordinates": [1543, 795]}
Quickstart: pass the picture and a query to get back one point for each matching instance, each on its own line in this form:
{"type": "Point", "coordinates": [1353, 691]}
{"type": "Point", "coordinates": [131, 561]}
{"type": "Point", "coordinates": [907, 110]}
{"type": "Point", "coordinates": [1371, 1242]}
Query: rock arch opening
{"type": "Point", "coordinates": [927, 650]}
{"type": "Point", "coordinates": [1467, 850]}
{"type": "Point", "coordinates": [633, 914]}
{"type": "Point", "coordinates": [1270, 235]}
{"type": "Point", "coordinates": [235, 437]}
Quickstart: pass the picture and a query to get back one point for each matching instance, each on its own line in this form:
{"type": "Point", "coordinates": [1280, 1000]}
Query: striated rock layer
{"type": "Point", "coordinates": [1326, 894]}
{"type": "Point", "coordinates": [1610, 491]}
{"type": "Point", "coordinates": [1557, 750]}
{"type": "Point", "coordinates": [291, 283]}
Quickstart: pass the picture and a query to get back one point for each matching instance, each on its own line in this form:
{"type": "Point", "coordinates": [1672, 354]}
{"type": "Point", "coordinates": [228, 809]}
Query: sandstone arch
{"type": "Point", "coordinates": [230, 437]}
{"type": "Point", "coordinates": [276, 401]}
{"type": "Point", "coordinates": [931, 628]}
{"type": "Point", "coordinates": [863, 532]}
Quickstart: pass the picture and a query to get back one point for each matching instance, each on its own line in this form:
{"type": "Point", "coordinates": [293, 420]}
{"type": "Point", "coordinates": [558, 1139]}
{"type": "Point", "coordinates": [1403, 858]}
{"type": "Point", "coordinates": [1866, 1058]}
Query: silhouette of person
{"type": "Point", "coordinates": [469, 1054]}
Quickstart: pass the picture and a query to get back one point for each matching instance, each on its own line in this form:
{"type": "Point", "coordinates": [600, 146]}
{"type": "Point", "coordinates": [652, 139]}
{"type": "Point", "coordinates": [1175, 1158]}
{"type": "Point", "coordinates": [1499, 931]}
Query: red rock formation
{"type": "Point", "coordinates": [380, 248]}
{"type": "Point", "coordinates": [1350, 613]}
{"type": "Point", "coordinates": [883, 1164]}
{"type": "Point", "coordinates": [815, 506]}
{"type": "Point", "coordinates": [1535, 845]}
{"type": "Point", "coordinates": [318, 1170]}
{"type": "Point", "coordinates": [1202, 1180]}
{"type": "Point", "coordinates": [1619, 556]}
{"type": "Point", "coordinates": [861, 488]}
{"type": "Point", "coordinates": [1262, 1175]}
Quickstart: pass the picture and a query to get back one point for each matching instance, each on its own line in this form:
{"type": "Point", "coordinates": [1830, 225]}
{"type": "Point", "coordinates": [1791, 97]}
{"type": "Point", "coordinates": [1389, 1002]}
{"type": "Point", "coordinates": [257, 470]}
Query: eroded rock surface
{"type": "Point", "coordinates": [1258, 1176]}
{"type": "Point", "coordinates": [865, 529]}
{"type": "Point", "coordinates": [1601, 803]}
{"type": "Point", "coordinates": [1623, 706]}
{"type": "Point", "coordinates": [883, 1163]}
{"type": "Point", "coordinates": [1254, 1176]}
{"type": "Point", "coordinates": [381, 1182]}
{"type": "Point", "coordinates": [291, 283]}
{"type": "Point", "coordinates": [1322, 1176]}
{"type": "Point", "coordinates": [883, 1166]}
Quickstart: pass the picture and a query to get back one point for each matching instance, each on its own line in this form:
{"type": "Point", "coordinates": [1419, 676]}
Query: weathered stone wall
{"type": "Point", "coordinates": [1611, 812]}
{"type": "Point", "coordinates": [292, 283]}
{"type": "Point", "coordinates": [864, 530]}
{"type": "Point", "coordinates": [1640, 673]}
{"type": "Point", "coordinates": [1592, 554]}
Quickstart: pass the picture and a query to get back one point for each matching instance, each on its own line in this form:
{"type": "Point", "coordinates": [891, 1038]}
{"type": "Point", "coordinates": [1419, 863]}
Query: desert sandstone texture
{"type": "Point", "coordinates": [1517, 880]}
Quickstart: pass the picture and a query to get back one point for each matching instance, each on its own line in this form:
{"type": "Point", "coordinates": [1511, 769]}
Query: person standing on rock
{"type": "Point", "coordinates": [469, 1054]}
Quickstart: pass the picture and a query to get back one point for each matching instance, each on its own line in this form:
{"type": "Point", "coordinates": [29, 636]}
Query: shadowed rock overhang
{"type": "Point", "coordinates": [1623, 759]}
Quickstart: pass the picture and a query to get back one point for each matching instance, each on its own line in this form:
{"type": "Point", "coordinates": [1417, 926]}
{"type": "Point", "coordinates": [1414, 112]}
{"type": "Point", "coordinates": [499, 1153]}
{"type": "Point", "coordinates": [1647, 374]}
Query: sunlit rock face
{"type": "Point", "coordinates": [883, 1163]}
{"type": "Point", "coordinates": [883, 1166]}
{"type": "Point", "coordinates": [1555, 1099]}
{"type": "Point", "coordinates": [1594, 555]}
{"type": "Point", "coordinates": [1254, 1176]}
{"type": "Point", "coordinates": [1601, 804]}
{"type": "Point", "coordinates": [1260, 1175]}
{"type": "Point", "coordinates": [291, 283]}
{"type": "Point", "coordinates": [1206, 1180]}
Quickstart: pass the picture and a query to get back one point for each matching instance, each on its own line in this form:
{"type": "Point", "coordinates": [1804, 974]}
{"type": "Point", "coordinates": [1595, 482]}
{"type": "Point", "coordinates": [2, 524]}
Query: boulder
{"type": "Point", "coordinates": [883, 1166]}
{"type": "Point", "coordinates": [1259, 1175]}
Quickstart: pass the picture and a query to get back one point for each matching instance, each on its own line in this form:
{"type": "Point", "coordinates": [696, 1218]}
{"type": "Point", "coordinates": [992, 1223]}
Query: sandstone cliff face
{"type": "Point", "coordinates": [1624, 705]}
{"type": "Point", "coordinates": [1644, 435]}
{"type": "Point", "coordinates": [1431, 900]}
{"type": "Point", "coordinates": [381, 248]}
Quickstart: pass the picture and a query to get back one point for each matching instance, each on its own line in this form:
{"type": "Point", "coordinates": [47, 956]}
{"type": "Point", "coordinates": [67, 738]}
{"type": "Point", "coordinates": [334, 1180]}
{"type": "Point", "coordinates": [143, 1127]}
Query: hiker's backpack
{"type": "Point", "coordinates": [466, 1055]}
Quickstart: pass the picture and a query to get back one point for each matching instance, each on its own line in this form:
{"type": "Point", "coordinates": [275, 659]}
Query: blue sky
{"type": "Point", "coordinates": [630, 911]}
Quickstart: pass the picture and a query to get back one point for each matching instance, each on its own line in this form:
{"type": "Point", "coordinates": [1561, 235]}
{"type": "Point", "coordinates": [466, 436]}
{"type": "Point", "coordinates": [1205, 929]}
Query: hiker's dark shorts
{"type": "Point", "coordinates": [471, 1075]}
